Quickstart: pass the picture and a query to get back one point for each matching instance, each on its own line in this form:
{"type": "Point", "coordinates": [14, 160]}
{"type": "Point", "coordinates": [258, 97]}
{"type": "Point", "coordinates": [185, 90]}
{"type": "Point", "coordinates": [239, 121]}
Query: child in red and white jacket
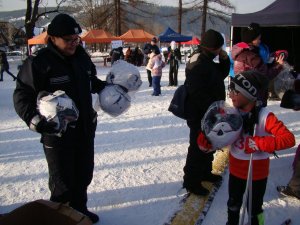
{"type": "Point", "coordinates": [270, 134]}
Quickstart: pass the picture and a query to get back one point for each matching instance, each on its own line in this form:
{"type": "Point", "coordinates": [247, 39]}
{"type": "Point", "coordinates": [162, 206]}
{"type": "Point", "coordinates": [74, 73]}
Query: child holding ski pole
{"type": "Point", "coordinates": [270, 135]}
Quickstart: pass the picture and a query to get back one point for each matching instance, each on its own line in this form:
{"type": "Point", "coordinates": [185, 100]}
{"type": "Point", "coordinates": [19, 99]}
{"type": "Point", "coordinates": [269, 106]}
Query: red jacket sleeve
{"type": "Point", "coordinates": [281, 137]}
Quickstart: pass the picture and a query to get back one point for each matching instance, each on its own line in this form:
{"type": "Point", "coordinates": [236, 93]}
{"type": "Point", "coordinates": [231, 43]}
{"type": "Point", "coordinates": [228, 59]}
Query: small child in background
{"type": "Point", "coordinates": [156, 65]}
{"type": "Point", "coordinates": [269, 135]}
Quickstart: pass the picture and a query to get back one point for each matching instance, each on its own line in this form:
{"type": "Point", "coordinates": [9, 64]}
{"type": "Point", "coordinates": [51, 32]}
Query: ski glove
{"type": "Point", "coordinates": [203, 143]}
{"type": "Point", "coordinates": [41, 125]}
{"type": "Point", "coordinates": [250, 146]}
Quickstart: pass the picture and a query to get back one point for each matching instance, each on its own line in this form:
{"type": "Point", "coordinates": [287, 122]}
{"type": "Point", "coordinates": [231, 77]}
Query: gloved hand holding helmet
{"type": "Point", "coordinates": [57, 113]}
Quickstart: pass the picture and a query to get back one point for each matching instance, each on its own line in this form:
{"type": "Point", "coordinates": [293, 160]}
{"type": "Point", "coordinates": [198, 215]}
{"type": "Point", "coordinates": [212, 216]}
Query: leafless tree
{"type": "Point", "coordinates": [112, 15]}
{"type": "Point", "coordinates": [36, 9]}
{"type": "Point", "coordinates": [210, 9]}
{"type": "Point", "coordinates": [179, 16]}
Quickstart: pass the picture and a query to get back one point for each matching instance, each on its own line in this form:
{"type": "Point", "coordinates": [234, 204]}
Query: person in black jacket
{"type": "Point", "coordinates": [205, 84]}
{"type": "Point", "coordinates": [116, 54]}
{"type": "Point", "coordinates": [174, 59]}
{"type": "Point", "coordinates": [63, 65]}
{"type": "Point", "coordinates": [4, 66]}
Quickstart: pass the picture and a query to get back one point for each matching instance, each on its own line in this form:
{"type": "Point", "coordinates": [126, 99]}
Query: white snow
{"type": "Point", "coordinates": [139, 157]}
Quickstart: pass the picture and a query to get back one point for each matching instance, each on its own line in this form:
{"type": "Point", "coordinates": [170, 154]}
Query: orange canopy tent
{"type": "Point", "coordinates": [136, 35]}
{"type": "Point", "coordinates": [97, 36]}
{"type": "Point", "coordinates": [194, 41]}
{"type": "Point", "coordinates": [40, 39]}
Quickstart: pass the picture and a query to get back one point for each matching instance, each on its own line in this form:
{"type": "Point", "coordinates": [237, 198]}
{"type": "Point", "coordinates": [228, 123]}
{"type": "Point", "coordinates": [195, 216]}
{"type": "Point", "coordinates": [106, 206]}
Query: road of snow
{"type": "Point", "coordinates": [139, 158]}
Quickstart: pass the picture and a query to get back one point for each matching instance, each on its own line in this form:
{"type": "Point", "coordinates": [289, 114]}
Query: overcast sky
{"type": "Point", "coordinates": [242, 6]}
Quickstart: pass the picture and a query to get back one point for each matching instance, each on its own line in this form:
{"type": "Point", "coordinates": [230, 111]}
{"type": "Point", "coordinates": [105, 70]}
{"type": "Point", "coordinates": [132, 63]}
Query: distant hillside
{"type": "Point", "coordinates": [155, 25]}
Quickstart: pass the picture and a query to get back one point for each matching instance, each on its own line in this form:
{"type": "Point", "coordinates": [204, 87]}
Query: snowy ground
{"type": "Point", "coordinates": [139, 158]}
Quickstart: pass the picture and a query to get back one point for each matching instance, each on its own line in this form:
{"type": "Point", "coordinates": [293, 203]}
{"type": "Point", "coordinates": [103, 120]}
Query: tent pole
{"type": "Point", "coordinates": [231, 36]}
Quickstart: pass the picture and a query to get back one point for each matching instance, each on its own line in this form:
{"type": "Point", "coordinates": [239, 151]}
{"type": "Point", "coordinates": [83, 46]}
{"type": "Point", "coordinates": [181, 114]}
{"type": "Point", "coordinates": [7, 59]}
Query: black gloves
{"type": "Point", "coordinates": [41, 125]}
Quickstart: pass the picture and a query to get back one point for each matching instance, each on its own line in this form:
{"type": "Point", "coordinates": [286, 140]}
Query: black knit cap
{"type": "Point", "coordinates": [155, 49]}
{"type": "Point", "coordinates": [249, 83]}
{"type": "Point", "coordinates": [250, 33]}
{"type": "Point", "coordinates": [212, 40]}
{"type": "Point", "coordinates": [63, 25]}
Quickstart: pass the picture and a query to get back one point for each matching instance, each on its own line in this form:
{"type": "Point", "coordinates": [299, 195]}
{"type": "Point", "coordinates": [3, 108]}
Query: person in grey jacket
{"type": "Point", "coordinates": [63, 65]}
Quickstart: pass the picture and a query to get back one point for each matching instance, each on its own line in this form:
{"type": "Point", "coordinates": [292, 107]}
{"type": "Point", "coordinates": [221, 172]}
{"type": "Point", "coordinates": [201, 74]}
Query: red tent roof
{"type": "Point", "coordinates": [136, 35]}
{"type": "Point", "coordinates": [40, 39]}
{"type": "Point", "coordinates": [97, 36]}
{"type": "Point", "coordinates": [194, 41]}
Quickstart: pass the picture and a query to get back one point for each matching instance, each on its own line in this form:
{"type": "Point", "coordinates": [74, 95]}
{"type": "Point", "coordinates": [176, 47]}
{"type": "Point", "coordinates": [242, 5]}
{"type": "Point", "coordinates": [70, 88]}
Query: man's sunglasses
{"type": "Point", "coordinates": [72, 40]}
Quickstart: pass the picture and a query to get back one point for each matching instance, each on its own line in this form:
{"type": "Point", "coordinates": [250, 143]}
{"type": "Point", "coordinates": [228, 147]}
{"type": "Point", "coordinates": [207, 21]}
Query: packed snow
{"type": "Point", "coordinates": [139, 157]}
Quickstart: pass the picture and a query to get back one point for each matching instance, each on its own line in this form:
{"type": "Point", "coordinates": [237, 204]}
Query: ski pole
{"type": "Point", "coordinates": [247, 194]}
{"type": "Point", "coordinates": [248, 191]}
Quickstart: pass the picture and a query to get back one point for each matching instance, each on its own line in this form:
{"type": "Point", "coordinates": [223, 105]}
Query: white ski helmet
{"type": "Point", "coordinates": [125, 75]}
{"type": "Point", "coordinates": [222, 124]}
{"type": "Point", "coordinates": [59, 108]}
{"type": "Point", "coordinates": [284, 81]}
{"type": "Point", "coordinates": [114, 100]}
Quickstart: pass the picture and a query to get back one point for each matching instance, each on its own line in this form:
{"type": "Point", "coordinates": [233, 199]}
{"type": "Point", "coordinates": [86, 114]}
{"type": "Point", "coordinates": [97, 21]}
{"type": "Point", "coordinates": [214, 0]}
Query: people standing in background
{"type": "Point", "coordinates": [138, 56]}
{"type": "Point", "coordinates": [204, 84]}
{"type": "Point", "coordinates": [246, 57]}
{"type": "Point", "coordinates": [128, 55]}
{"type": "Point", "coordinates": [174, 59]}
{"type": "Point", "coordinates": [4, 66]}
{"type": "Point", "coordinates": [149, 51]}
{"type": "Point", "coordinates": [156, 65]}
{"type": "Point", "coordinates": [116, 54]}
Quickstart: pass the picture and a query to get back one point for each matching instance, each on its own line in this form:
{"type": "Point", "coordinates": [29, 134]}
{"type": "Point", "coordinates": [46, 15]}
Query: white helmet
{"type": "Point", "coordinates": [59, 108]}
{"type": "Point", "coordinates": [114, 100]}
{"type": "Point", "coordinates": [125, 75]}
{"type": "Point", "coordinates": [221, 124]}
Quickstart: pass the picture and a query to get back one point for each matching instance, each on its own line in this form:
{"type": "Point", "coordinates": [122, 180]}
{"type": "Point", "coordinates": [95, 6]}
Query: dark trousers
{"type": "Point", "coordinates": [9, 73]}
{"type": "Point", "coordinates": [198, 164]}
{"type": "Point", "coordinates": [70, 172]}
{"type": "Point", "coordinates": [236, 189]}
{"type": "Point", "coordinates": [156, 85]}
{"type": "Point", "coordinates": [173, 73]}
{"type": "Point", "coordinates": [149, 77]}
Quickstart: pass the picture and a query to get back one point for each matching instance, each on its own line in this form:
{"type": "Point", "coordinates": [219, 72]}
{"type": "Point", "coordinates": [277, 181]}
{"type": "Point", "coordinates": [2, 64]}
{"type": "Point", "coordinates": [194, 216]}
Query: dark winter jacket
{"type": "Point", "coordinates": [205, 84]}
{"type": "Point", "coordinates": [51, 71]}
{"type": "Point", "coordinates": [116, 54]}
{"type": "Point", "coordinates": [174, 55]}
{"type": "Point", "coordinates": [246, 57]}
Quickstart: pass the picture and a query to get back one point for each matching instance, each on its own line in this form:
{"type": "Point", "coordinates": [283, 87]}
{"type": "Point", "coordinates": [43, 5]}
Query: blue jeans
{"type": "Point", "coordinates": [156, 85]}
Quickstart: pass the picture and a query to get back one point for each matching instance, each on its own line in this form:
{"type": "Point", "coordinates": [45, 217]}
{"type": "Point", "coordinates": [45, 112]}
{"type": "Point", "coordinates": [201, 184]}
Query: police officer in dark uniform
{"type": "Point", "coordinates": [63, 65]}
